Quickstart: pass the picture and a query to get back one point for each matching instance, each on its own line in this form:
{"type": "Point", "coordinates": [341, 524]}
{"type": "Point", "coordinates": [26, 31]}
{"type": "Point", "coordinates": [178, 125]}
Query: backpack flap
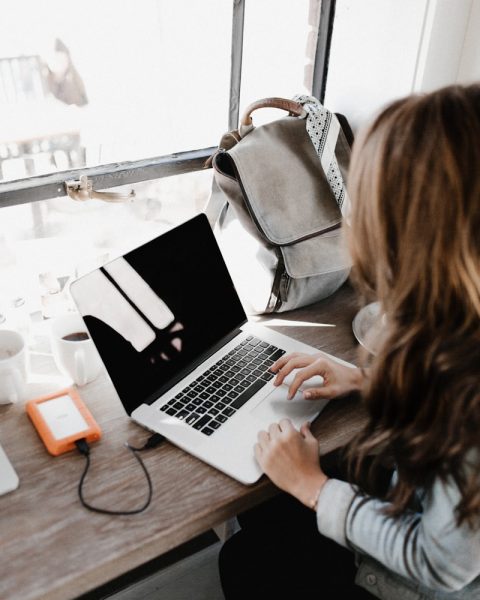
{"type": "Point", "coordinates": [284, 185]}
{"type": "Point", "coordinates": [285, 195]}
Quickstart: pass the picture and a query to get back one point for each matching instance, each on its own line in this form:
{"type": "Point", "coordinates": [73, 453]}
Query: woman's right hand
{"type": "Point", "coordinates": [337, 379]}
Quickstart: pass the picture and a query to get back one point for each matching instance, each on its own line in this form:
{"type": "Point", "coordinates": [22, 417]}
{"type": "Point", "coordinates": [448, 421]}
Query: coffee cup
{"type": "Point", "coordinates": [73, 350]}
{"type": "Point", "coordinates": [13, 366]}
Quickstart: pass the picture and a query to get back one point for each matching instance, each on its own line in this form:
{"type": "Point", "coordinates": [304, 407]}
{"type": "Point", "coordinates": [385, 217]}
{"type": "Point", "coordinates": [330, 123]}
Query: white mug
{"type": "Point", "coordinates": [73, 350]}
{"type": "Point", "coordinates": [13, 366]}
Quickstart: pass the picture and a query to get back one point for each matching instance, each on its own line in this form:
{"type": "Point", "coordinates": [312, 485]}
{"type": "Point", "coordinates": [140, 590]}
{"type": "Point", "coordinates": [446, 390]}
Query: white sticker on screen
{"type": "Point", "coordinates": [62, 417]}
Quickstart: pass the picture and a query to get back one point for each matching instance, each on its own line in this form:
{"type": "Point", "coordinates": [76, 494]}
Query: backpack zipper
{"type": "Point", "coordinates": [284, 286]}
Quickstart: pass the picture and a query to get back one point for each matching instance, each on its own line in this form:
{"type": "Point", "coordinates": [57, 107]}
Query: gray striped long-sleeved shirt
{"type": "Point", "coordinates": [418, 555]}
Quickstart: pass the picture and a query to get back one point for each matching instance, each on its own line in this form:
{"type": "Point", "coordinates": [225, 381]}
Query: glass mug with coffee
{"type": "Point", "coordinates": [77, 336]}
{"type": "Point", "coordinates": [74, 352]}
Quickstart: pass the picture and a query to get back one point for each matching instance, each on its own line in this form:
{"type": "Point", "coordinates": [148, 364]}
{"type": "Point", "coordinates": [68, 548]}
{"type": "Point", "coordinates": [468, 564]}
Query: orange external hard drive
{"type": "Point", "coordinates": [61, 419]}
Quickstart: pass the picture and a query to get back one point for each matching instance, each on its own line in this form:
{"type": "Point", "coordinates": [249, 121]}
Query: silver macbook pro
{"type": "Point", "coordinates": [177, 345]}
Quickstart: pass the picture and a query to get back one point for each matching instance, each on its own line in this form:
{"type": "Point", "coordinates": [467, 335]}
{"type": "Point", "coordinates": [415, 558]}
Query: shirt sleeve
{"type": "Point", "coordinates": [427, 547]}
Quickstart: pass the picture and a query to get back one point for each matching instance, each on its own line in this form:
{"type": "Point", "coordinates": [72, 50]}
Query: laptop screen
{"type": "Point", "coordinates": [156, 312]}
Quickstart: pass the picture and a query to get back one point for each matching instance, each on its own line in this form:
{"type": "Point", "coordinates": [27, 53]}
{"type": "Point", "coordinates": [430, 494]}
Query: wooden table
{"type": "Point", "coordinates": [53, 548]}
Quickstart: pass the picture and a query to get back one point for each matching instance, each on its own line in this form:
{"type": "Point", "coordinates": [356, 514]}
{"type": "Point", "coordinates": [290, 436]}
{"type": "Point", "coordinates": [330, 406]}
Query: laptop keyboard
{"type": "Point", "coordinates": [209, 401]}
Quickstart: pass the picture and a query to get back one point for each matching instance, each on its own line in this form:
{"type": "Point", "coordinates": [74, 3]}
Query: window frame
{"type": "Point", "coordinates": [53, 185]}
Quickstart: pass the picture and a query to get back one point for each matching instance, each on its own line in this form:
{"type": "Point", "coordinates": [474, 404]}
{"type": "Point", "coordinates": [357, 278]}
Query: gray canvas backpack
{"type": "Point", "coordinates": [276, 205]}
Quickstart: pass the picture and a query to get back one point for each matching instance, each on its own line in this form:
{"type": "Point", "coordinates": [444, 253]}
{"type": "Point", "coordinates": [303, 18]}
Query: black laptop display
{"type": "Point", "coordinates": [184, 271]}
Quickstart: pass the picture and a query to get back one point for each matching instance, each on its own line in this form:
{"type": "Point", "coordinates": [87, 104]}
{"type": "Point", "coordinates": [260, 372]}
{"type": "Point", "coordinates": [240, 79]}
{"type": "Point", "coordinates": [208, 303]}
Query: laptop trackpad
{"type": "Point", "coordinates": [275, 407]}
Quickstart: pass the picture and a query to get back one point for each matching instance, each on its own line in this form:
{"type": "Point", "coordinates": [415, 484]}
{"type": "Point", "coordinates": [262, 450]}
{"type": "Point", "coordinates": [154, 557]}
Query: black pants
{"type": "Point", "coordinates": [279, 553]}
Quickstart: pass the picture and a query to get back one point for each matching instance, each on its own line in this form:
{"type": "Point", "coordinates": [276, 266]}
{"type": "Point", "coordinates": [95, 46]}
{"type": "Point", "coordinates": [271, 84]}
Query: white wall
{"type": "Point", "coordinates": [469, 68]}
{"type": "Point", "coordinates": [385, 49]}
{"type": "Point", "coordinates": [442, 43]}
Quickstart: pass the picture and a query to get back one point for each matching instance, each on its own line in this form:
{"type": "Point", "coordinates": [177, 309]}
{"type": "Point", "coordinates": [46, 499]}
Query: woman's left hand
{"type": "Point", "coordinates": [291, 459]}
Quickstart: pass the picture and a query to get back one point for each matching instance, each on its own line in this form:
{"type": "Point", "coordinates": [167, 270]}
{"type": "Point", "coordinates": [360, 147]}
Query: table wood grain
{"type": "Point", "coordinates": [54, 549]}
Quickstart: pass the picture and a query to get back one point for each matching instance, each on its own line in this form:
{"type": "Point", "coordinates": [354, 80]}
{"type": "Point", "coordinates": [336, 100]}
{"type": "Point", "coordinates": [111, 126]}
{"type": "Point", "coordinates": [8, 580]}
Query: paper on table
{"type": "Point", "coordinates": [8, 477]}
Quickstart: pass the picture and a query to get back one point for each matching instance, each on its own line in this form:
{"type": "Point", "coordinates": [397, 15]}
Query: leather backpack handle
{"type": "Point", "coordinates": [292, 107]}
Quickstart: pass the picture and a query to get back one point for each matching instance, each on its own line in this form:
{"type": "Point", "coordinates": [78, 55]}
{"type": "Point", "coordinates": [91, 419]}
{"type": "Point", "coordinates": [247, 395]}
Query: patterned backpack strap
{"type": "Point", "coordinates": [323, 127]}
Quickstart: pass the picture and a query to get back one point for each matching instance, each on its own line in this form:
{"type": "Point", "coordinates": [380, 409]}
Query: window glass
{"type": "Point", "coordinates": [44, 244]}
{"type": "Point", "coordinates": [99, 82]}
{"type": "Point", "coordinates": [278, 51]}
{"type": "Point", "coordinates": [374, 56]}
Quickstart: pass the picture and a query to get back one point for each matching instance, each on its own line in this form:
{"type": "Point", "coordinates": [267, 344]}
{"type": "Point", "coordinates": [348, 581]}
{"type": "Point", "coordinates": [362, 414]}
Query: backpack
{"type": "Point", "coordinates": [277, 202]}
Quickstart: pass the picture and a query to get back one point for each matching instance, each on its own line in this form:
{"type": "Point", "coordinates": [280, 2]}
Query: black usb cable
{"type": "Point", "coordinates": [83, 447]}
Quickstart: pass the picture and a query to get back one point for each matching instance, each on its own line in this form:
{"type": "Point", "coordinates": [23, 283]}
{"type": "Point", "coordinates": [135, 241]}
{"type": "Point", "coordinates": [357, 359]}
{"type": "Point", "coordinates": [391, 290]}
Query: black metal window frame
{"type": "Point", "coordinates": [106, 176]}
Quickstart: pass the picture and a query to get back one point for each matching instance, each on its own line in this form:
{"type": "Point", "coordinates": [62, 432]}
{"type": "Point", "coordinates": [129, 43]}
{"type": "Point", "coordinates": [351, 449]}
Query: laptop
{"type": "Point", "coordinates": [185, 361]}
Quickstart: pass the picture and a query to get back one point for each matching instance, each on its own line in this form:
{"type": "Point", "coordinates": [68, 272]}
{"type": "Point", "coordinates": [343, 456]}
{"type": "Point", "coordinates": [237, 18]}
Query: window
{"type": "Point", "coordinates": [135, 95]}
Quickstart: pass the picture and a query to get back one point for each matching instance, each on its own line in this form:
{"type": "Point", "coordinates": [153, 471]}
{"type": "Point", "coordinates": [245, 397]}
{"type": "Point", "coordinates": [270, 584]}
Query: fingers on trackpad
{"type": "Point", "coordinates": [314, 382]}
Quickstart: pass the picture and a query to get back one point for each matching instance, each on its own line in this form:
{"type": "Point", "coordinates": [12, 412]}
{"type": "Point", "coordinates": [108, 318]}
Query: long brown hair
{"type": "Point", "coordinates": [415, 242]}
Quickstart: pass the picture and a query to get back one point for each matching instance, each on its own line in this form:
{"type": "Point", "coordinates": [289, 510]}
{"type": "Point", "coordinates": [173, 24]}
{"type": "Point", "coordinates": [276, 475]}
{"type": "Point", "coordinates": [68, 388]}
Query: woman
{"type": "Point", "coordinates": [414, 238]}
